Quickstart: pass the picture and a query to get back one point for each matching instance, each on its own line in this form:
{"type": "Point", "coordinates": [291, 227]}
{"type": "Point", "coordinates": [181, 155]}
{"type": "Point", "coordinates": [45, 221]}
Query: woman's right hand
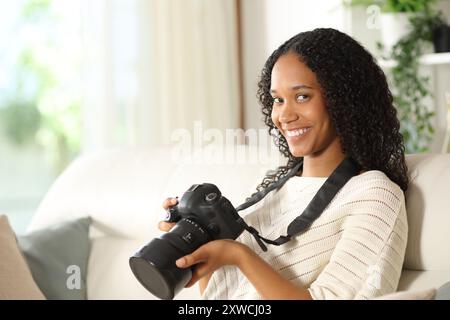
{"type": "Point", "coordinates": [163, 225]}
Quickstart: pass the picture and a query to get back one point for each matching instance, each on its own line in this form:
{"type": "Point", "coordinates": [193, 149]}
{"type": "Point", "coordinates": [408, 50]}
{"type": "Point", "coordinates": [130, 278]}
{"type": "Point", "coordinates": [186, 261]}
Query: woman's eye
{"type": "Point", "coordinates": [277, 100]}
{"type": "Point", "coordinates": [302, 97]}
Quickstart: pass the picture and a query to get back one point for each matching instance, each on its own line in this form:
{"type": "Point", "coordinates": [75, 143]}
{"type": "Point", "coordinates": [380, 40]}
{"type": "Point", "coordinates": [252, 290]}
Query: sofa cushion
{"type": "Point", "coordinates": [16, 281]}
{"type": "Point", "coordinates": [421, 280]}
{"type": "Point", "coordinates": [427, 294]}
{"type": "Point", "coordinates": [443, 293]}
{"type": "Point", "coordinates": [57, 257]}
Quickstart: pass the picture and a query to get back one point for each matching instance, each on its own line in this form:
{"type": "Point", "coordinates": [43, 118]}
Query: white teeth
{"type": "Point", "coordinates": [298, 132]}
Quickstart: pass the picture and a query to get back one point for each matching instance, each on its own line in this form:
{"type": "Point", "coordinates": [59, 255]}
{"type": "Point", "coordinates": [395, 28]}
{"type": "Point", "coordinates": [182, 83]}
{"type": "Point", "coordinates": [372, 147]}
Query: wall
{"type": "Point", "coordinates": [266, 25]}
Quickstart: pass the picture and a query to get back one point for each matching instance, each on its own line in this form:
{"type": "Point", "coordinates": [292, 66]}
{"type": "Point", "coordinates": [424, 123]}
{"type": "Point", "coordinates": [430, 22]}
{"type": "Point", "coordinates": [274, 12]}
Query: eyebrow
{"type": "Point", "coordinates": [300, 86]}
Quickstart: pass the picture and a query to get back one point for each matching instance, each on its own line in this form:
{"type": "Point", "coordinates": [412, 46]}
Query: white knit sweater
{"type": "Point", "coordinates": [354, 250]}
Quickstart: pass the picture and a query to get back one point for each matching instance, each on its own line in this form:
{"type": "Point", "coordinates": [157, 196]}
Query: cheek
{"type": "Point", "coordinates": [321, 114]}
{"type": "Point", "coordinates": [327, 119]}
{"type": "Point", "coordinates": [328, 128]}
{"type": "Point", "coordinates": [274, 117]}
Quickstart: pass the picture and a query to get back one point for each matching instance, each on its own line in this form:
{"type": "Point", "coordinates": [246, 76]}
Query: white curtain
{"type": "Point", "coordinates": [154, 66]}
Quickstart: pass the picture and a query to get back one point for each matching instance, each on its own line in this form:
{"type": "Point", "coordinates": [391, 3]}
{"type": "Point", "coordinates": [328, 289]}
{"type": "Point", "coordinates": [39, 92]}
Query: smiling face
{"type": "Point", "coordinates": [299, 110]}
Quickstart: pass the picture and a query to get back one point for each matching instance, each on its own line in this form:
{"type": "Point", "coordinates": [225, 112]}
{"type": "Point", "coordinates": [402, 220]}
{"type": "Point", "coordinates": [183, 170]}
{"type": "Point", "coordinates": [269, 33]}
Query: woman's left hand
{"type": "Point", "coordinates": [211, 256]}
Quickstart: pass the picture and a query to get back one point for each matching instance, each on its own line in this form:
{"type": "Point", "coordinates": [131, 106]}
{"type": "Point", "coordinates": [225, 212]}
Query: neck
{"type": "Point", "coordinates": [322, 164]}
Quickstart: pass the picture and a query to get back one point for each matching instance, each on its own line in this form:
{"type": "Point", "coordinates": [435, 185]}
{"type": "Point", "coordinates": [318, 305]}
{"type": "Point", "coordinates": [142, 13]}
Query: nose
{"type": "Point", "coordinates": [287, 113]}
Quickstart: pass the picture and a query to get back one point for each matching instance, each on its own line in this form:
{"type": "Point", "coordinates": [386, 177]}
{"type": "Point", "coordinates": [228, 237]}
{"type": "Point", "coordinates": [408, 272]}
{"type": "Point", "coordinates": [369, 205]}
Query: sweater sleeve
{"type": "Point", "coordinates": [368, 259]}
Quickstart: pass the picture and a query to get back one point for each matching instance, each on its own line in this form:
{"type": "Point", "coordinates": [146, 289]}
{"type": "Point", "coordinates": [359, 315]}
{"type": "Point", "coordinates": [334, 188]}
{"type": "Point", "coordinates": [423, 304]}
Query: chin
{"type": "Point", "coordinates": [297, 153]}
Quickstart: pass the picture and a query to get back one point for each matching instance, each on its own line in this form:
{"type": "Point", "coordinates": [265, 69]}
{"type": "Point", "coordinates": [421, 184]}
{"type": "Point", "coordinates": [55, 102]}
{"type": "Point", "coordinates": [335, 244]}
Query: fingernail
{"type": "Point", "coordinates": [174, 201]}
{"type": "Point", "coordinates": [180, 262]}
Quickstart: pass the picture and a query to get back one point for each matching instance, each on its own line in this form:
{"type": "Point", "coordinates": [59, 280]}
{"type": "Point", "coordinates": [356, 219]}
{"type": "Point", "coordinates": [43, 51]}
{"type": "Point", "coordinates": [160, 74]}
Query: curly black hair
{"type": "Point", "coordinates": [357, 98]}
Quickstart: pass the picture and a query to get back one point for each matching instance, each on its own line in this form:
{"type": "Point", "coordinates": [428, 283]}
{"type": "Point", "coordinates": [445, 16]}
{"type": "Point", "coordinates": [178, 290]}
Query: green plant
{"type": "Point", "coordinates": [38, 109]}
{"type": "Point", "coordinates": [409, 88]}
{"type": "Point", "coordinates": [19, 114]}
{"type": "Point", "coordinates": [395, 5]}
{"type": "Point", "coordinates": [21, 121]}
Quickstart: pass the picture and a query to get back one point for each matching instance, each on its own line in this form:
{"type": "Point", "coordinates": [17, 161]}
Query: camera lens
{"type": "Point", "coordinates": [154, 265]}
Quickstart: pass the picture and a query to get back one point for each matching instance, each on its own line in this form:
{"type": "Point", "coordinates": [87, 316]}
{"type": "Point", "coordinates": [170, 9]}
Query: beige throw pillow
{"type": "Point", "coordinates": [16, 281]}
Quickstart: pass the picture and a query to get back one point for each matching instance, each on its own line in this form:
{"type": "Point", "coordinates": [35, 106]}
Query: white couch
{"type": "Point", "coordinates": [122, 190]}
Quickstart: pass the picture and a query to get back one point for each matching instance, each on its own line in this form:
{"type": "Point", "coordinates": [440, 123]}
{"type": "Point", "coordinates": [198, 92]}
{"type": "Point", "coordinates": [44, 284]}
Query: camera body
{"type": "Point", "coordinates": [202, 215]}
{"type": "Point", "coordinates": [204, 204]}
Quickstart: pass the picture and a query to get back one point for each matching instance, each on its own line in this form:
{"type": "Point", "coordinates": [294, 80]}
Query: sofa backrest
{"type": "Point", "coordinates": [428, 208]}
{"type": "Point", "coordinates": [123, 190]}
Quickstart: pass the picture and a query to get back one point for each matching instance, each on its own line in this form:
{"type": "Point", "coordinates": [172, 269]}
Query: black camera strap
{"type": "Point", "coordinates": [347, 169]}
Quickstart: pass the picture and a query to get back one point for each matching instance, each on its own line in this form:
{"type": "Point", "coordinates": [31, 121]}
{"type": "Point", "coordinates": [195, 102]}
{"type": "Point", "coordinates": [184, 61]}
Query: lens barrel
{"type": "Point", "coordinates": [154, 265]}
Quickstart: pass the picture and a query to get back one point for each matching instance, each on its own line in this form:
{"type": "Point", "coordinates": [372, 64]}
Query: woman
{"type": "Point", "coordinates": [323, 98]}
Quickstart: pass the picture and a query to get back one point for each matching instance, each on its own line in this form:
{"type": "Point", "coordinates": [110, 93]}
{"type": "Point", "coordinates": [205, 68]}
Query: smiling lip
{"type": "Point", "coordinates": [297, 133]}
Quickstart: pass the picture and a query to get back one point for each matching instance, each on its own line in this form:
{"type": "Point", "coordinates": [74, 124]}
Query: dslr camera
{"type": "Point", "coordinates": [202, 215]}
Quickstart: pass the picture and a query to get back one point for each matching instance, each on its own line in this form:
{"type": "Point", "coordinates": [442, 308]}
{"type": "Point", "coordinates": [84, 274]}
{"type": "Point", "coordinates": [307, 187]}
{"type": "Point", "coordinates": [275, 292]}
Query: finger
{"type": "Point", "coordinates": [169, 202]}
{"type": "Point", "coordinates": [166, 226]}
{"type": "Point", "coordinates": [200, 270]}
{"type": "Point", "coordinates": [189, 260]}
